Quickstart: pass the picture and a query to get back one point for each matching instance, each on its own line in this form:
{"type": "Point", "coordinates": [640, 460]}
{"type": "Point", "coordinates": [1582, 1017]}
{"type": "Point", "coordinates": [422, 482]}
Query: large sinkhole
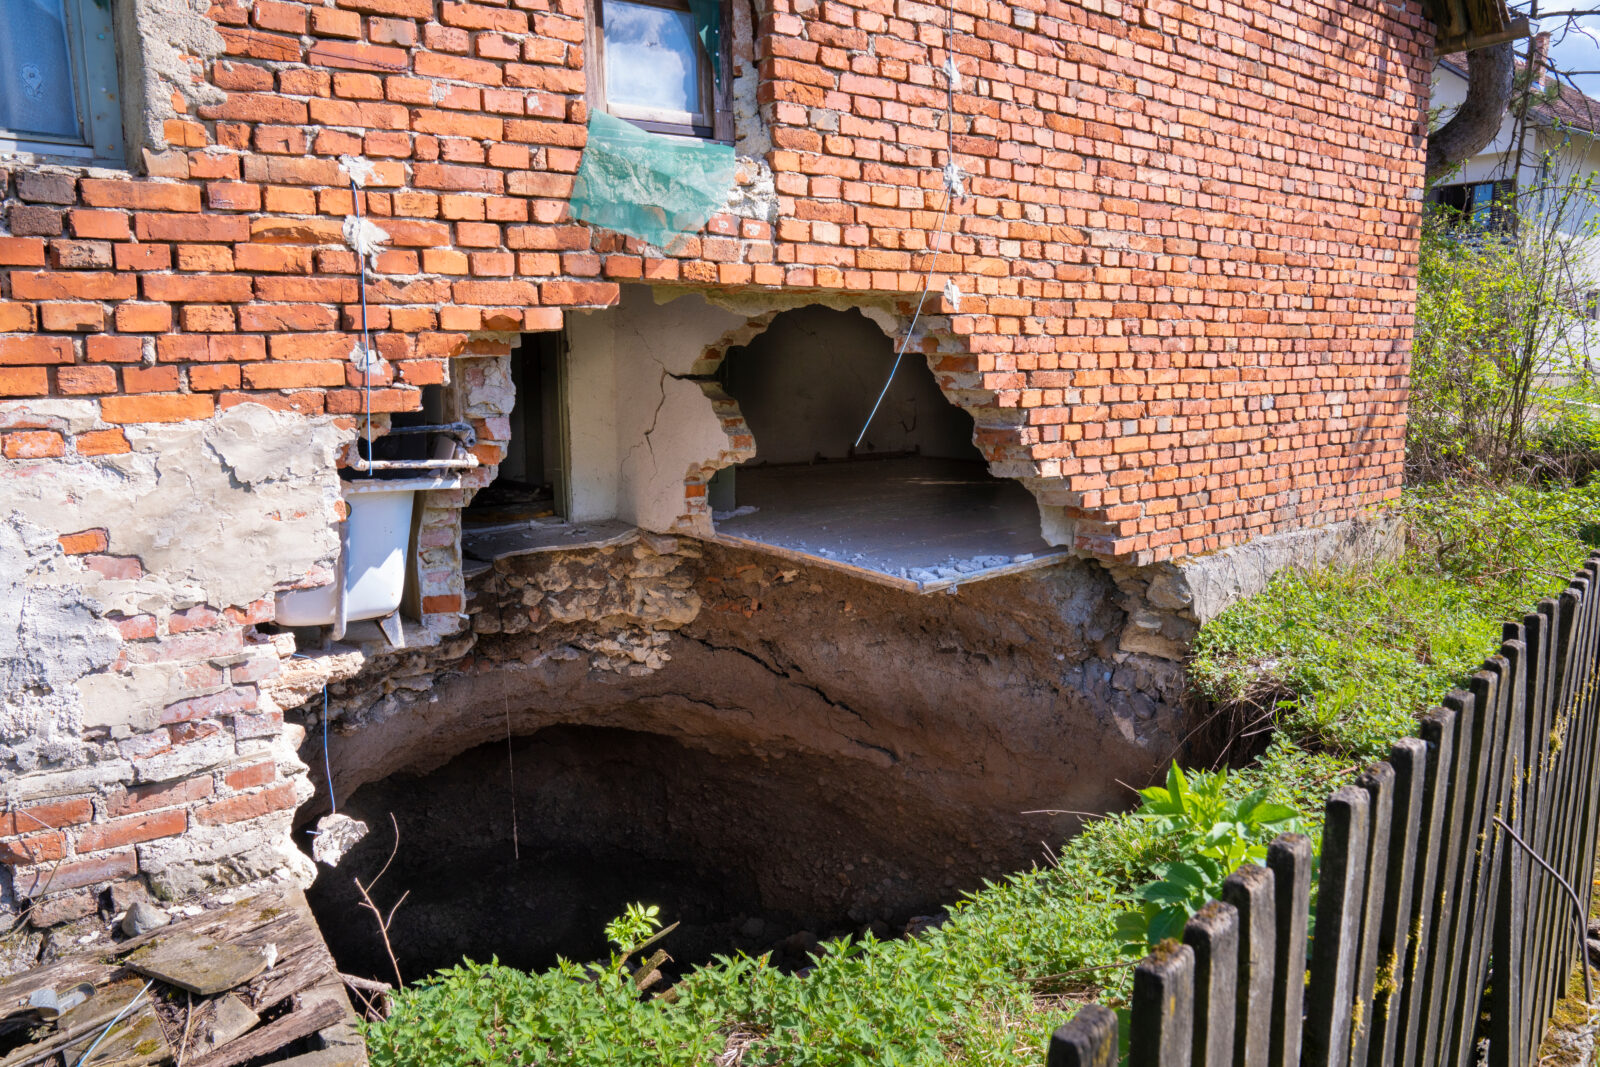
{"type": "Point", "coordinates": [523, 850]}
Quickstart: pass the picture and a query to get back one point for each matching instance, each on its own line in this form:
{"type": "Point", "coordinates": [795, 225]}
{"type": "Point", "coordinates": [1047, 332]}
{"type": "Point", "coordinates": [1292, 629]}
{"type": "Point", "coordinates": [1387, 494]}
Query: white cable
{"type": "Point", "coordinates": [952, 177]}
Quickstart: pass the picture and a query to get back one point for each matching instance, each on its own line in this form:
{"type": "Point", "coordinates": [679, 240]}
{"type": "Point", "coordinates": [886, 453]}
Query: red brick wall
{"type": "Point", "coordinates": [1188, 254]}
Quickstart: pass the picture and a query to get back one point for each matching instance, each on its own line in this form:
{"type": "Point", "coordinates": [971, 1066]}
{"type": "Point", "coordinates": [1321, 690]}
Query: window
{"type": "Point", "coordinates": [58, 79]}
{"type": "Point", "coordinates": [1481, 206]}
{"type": "Point", "coordinates": [663, 65]}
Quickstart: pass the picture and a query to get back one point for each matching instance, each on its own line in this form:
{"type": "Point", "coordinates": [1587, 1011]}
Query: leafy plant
{"type": "Point", "coordinates": [1213, 834]}
{"type": "Point", "coordinates": [633, 927]}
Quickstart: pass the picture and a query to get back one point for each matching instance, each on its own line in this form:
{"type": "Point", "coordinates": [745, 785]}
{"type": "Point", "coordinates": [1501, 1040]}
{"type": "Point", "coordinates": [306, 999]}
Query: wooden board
{"type": "Point", "coordinates": [198, 963]}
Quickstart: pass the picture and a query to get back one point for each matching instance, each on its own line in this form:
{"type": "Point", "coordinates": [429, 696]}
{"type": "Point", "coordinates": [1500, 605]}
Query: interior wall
{"type": "Point", "coordinates": [807, 383]}
{"type": "Point", "coordinates": [638, 427]}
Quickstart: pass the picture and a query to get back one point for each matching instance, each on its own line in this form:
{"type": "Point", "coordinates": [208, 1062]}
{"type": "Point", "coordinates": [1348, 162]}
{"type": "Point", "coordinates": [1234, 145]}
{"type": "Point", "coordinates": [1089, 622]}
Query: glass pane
{"type": "Point", "coordinates": [36, 70]}
{"type": "Point", "coordinates": [652, 58]}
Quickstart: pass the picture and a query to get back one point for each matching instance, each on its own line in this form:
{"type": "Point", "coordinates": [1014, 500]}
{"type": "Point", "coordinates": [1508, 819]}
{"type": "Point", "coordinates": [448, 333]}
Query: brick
{"type": "Point", "coordinates": [69, 317]}
{"type": "Point", "coordinates": [143, 318]}
{"type": "Point", "coordinates": [86, 381]}
{"type": "Point", "coordinates": [206, 707]}
{"type": "Point", "coordinates": [114, 349]}
{"type": "Point", "coordinates": [50, 815]}
{"type": "Point", "coordinates": [144, 798]}
{"type": "Point", "coordinates": [257, 774]}
{"type": "Point", "coordinates": [34, 848]}
{"type": "Point", "coordinates": [42, 187]}
{"type": "Point", "coordinates": [21, 252]}
{"type": "Point", "coordinates": [83, 541]}
{"type": "Point", "coordinates": [102, 225]}
{"type": "Point", "coordinates": [202, 288]}
{"type": "Point", "coordinates": [33, 444]}
{"type": "Point", "coordinates": [71, 285]}
{"type": "Point", "coordinates": [247, 806]}
{"type": "Point", "coordinates": [150, 379]}
{"type": "Point", "coordinates": [132, 829]}
{"type": "Point", "coordinates": [24, 381]}
{"type": "Point", "coordinates": [101, 443]}
{"type": "Point", "coordinates": [117, 568]}
{"type": "Point", "coordinates": [137, 409]}
{"type": "Point", "coordinates": [140, 195]}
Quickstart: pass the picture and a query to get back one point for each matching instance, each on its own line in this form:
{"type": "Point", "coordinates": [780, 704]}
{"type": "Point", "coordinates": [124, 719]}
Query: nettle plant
{"type": "Point", "coordinates": [1212, 836]}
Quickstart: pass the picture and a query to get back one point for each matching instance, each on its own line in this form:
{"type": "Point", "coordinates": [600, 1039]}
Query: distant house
{"type": "Point", "coordinates": [1530, 164]}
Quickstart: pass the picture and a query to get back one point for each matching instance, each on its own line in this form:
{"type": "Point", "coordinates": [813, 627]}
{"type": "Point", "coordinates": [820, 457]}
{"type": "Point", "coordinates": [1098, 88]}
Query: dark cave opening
{"type": "Point", "coordinates": [746, 854]}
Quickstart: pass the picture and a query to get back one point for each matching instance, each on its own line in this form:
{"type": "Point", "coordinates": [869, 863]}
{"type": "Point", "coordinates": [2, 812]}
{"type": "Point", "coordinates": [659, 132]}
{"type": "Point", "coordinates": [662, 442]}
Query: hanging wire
{"type": "Point", "coordinates": [327, 764]}
{"type": "Point", "coordinates": [953, 190]}
{"type": "Point", "coordinates": [366, 336]}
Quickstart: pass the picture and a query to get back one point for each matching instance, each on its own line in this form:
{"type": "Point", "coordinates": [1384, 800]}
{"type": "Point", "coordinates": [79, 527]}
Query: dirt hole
{"type": "Point", "coordinates": [746, 853]}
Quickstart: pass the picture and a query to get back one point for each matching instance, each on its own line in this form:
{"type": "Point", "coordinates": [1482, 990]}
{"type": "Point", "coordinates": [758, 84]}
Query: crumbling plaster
{"type": "Point", "coordinates": [218, 513]}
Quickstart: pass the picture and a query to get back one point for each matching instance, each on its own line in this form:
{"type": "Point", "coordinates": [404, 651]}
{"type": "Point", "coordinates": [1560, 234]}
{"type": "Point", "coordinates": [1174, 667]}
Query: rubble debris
{"type": "Point", "coordinates": [135, 1003]}
{"type": "Point", "coordinates": [336, 836]}
{"type": "Point", "coordinates": [142, 917]}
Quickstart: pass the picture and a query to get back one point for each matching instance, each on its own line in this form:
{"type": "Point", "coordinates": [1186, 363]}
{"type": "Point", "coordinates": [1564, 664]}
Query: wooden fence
{"type": "Point", "coordinates": [1451, 902]}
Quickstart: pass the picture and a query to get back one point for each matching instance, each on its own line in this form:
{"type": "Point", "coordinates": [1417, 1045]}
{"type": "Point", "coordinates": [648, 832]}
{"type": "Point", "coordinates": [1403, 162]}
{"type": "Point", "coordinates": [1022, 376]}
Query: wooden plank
{"type": "Point", "coordinates": [1510, 874]}
{"type": "Point", "coordinates": [1250, 891]}
{"type": "Point", "coordinates": [274, 1036]}
{"type": "Point", "coordinates": [1289, 860]}
{"type": "Point", "coordinates": [1458, 946]}
{"type": "Point", "coordinates": [1378, 781]}
{"type": "Point", "coordinates": [1213, 934]}
{"type": "Point", "coordinates": [1440, 952]}
{"type": "Point", "coordinates": [197, 963]}
{"type": "Point", "coordinates": [1409, 758]}
{"type": "Point", "coordinates": [1570, 652]}
{"type": "Point", "coordinates": [1161, 1022]}
{"type": "Point", "coordinates": [1345, 832]}
{"type": "Point", "coordinates": [1496, 680]}
{"type": "Point", "coordinates": [1438, 733]}
{"type": "Point", "coordinates": [1089, 1040]}
{"type": "Point", "coordinates": [1540, 628]}
{"type": "Point", "coordinates": [1578, 850]}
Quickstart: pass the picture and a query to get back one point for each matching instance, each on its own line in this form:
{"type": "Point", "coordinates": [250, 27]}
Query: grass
{"type": "Point", "coordinates": [1348, 658]}
{"type": "Point", "coordinates": [1344, 661]}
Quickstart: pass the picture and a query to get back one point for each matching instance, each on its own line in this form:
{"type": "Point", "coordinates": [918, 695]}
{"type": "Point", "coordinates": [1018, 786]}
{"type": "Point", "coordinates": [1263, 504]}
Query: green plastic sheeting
{"type": "Point", "coordinates": [647, 185]}
{"type": "Point", "coordinates": [707, 16]}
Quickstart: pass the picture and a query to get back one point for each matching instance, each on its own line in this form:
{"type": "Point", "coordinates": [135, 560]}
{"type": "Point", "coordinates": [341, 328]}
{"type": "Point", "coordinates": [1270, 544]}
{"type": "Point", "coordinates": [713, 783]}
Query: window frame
{"type": "Point", "coordinates": [718, 92]}
{"type": "Point", "coordinates": [91, 33]}
{"type": "Point", "coordinates": [1502, 194]}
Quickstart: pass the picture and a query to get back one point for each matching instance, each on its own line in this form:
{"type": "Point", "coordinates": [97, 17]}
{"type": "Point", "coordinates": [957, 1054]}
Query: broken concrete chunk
{"type": "Point", "coordinates": [143, 917]}
{"type": "Point", "coordinates": [198, 964]}
{"type": "Point", "coordinates": [336, 836]}
{"type": "Point", "coordinates": [230, 1018]}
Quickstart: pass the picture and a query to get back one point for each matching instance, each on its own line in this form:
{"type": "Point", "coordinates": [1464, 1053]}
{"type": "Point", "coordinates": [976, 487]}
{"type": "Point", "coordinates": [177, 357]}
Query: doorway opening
{"type": "Point", "coordinates": [531, 484]}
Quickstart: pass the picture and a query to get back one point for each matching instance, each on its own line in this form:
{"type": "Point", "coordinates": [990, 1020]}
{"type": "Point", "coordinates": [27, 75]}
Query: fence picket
{"type": "Point", "coordinates": [1250, 891]}
{"type": "Point", "coordinates": [1213, 934]}
{"type": "Point", "coordinates": [1435, 928]}
{"type": "Point", "coordinates": [1289, 860]}
{"type": "Point", "coordinates": [1438, 733]}
{"type": "Point", "coordinates": [1089, 1040]}
{"type": "Point", "coordinates": [1441, 956]}
{"type": "Point", "coordinates": [1498, 676]}
{"type": "Point", "coordinates": [1334, 954]}
{"type": "Point", "coordinates": [1510, 867]}
{"type": "Point", "coordinates": [1163, 1004]}
{"type": "Point", "coordinates": [1378, 781]}
{"type": "Point", "coordinates": [1409, 758]}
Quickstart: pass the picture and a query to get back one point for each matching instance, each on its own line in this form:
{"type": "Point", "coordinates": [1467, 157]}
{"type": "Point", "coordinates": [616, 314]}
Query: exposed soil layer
{"type": "Point", "coordinates": [732, 737]}
{"type": "Point", "coordinates": [604, 818]}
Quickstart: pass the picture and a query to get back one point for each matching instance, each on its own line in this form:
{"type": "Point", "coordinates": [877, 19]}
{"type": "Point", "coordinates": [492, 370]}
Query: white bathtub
{"type": "Point", "coordinates": [373, 560]}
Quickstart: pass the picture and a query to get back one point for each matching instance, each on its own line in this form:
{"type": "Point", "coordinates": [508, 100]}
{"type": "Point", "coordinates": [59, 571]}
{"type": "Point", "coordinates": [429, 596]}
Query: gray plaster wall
{"type": "Point", "coordinates": [807, 383]}
{"type": "Point", "coordinates": [220, 512]}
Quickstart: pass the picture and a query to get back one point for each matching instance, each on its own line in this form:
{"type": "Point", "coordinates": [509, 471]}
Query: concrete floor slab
{"type": "Point", "coordinates": [912, 522]}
